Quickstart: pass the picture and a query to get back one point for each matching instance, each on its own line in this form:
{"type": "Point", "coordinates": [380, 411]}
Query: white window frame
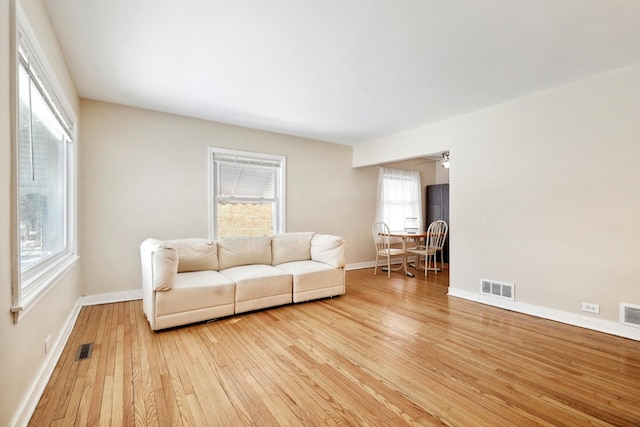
{"type": "Point", "coordinates": [279, 217]}
{"type": "Point", "coordinates": [30, 287]}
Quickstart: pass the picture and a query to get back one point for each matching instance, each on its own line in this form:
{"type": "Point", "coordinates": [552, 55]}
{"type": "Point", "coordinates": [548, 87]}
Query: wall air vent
{"type": "Point", "coordinates": [497, 289]}
{"type": "Point", "coordinates": [84, 351]}
{"type": "Point", "coordinates": [630, 314]}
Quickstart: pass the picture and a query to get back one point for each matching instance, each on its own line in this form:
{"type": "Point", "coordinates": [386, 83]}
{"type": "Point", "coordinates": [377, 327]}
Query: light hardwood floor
{"type": "Point", "coordinates": [389, 352]}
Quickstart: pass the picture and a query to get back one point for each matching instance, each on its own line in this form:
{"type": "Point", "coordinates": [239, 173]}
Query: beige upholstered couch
{"type": "Point", "coordinates": [191, 280]}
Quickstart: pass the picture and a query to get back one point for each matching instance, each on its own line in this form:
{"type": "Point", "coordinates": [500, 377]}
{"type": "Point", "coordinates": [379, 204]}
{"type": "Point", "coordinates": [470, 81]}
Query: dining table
{"type": "Point", "coordinates": [407, 236]}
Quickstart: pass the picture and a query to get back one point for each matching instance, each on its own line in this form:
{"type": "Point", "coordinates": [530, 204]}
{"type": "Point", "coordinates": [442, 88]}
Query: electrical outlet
{"type": "Point", "coordinates": [47, 344]}
{"type": "Point", "coordinates": [590, 308]}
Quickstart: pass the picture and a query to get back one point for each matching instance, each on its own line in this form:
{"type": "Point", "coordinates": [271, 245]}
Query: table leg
{"type": "Point", "coordinates": [405, 258]}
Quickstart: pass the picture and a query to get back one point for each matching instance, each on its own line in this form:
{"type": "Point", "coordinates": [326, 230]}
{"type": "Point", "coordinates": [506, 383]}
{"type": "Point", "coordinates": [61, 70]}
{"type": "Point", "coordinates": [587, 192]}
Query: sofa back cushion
{"type": "Point", "coordinates": [165, 268]}
{"type": "Point", "coordinates": [289, 247]}
{"type": "Point", "coordinates": [328, 249]}
{"type": "Point", "coordinates": [245, 250]}
{"type": "Point", "coordinates": [195, 254]}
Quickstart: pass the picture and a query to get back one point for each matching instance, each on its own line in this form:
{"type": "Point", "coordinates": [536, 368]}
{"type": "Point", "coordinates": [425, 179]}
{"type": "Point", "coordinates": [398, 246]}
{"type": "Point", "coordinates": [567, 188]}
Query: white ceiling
{"type": "Point", "coordinates": [345, 71]}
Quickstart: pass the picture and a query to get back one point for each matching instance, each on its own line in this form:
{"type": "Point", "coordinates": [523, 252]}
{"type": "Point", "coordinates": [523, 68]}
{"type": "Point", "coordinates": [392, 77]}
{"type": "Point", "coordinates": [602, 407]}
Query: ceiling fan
{"type": "Point", "coordinates": [442, 158]}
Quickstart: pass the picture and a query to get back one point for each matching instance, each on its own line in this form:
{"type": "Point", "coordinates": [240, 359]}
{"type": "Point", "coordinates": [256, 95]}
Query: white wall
{"type": "Point", "coordinates": [413, 143]}
{"type": "Point", "coordinates": [22, 355]}
{"type": "Point", "coordinates": [544, 194]}
{"type": "Point", "coordinates": [144, 174]}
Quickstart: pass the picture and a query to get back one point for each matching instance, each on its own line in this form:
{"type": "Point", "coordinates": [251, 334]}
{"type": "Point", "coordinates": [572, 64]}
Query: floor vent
{"type": "Point", "coordinates": [630, 315]}
{"type": "Point", "coordinates": [497, 289]}
{"type": "Point", "coordinates": [84, 351]}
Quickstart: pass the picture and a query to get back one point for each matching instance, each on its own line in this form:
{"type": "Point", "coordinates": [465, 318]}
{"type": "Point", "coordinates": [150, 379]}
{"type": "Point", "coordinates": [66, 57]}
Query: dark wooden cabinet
{"type": "Point", "coordinates": [438, 208]}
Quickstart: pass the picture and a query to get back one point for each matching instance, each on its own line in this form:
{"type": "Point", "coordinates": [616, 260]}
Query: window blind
{"type": "Point", "coordinates": [32, 69]}
{"type": "Point", "coordinates": [246, 178]}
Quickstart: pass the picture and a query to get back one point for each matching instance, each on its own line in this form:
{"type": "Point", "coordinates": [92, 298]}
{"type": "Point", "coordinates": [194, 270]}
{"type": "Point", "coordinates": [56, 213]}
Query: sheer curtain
{"type": "Point", "coordinates": [399, 197]}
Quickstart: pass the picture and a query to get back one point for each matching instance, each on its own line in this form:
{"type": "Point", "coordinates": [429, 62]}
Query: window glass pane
{"type": "Point", "coordinates": [41, 169]}
{"type": "Point", "coordinates": [245, 219]}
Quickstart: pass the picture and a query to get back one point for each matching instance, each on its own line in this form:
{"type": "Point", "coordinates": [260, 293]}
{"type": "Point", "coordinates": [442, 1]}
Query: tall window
{"type": "Point", "coordinates": [248, 193]}
{"type": "Point", "coordinates": [399, 198]}
{"type": "Point", "coordinates": [44, 165]}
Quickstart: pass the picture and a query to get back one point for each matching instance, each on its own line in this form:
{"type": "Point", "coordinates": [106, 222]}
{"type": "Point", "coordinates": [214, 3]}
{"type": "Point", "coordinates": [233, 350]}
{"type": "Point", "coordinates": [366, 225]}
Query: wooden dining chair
{"type": "Point", "coordinates": [382, 241]}
{"type": "Point", "coordinates": [439, 241]}
{"type": "Point", "coordinates": [434, 243]}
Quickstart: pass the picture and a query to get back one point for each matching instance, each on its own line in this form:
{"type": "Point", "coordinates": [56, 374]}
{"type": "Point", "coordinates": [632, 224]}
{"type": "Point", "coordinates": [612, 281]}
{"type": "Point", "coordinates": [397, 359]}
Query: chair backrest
{"type": "Point", "coordinates": [437, 234]}
{"type": "Point", "coordinates": [380, 232]}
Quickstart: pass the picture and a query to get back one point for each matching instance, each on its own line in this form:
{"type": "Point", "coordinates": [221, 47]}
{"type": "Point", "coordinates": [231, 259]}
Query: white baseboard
{"type": "Point", "coordinates": [586, 322]}
{"type": "Point", "coordinates": [369, 264]}
{"type": "Point", "coordinates": [359, 265]}
{"type": "Point", "coordinates": [32, 398]}
{"type": "Point", "coordinates": [111, 297]}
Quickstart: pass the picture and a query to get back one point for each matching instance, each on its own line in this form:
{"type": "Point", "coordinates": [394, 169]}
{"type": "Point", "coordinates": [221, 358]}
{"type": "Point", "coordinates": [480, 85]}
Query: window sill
{"type": "Point", "coordinates": [41, 286]}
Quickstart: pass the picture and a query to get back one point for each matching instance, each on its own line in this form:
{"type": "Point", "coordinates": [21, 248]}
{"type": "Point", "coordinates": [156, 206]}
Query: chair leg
{"type": "Point", "coordinates": [375, 267]}
{"type": "Point", "coordinates": [435, 262]}
{"type": "Point", "coordinates": [425, 266]}
{"type": "Point", "coordinates": [388, 267]}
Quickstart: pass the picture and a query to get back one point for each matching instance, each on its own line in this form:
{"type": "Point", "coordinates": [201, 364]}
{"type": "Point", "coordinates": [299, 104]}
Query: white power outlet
{"type": "Point", "coordinates": [47, 344]}
{"type": "Point", "coordinates": [590, 308]}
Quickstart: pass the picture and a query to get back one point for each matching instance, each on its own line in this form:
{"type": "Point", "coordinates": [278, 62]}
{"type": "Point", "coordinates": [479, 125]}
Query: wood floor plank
{"type": "Point", "coordinates": [101, 351]}
{"type": "Point", "coordinates": [214, 403]}
{"type": "Point", "coordinates": [180, 384]}
{"type": "Point", "coordinates": [128, 409]}
{"type": "Point", "coordinates": [163, 386]}
{"type": "Point", "coordinates": [395, 351]}
{"type": "Point", "coordinates": [247, 401]}
{"type": "Point", "coordinates": [119, 381]}
{"type": "Point", "coordinates": [146, 411]}
{"type": "Point", "coordinates": [106, 404]}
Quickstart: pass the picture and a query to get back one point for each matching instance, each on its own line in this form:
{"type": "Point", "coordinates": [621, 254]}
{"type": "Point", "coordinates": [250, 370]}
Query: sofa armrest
{"type": "Point", "coordinates": [328, 249]}
{"type": "Point", "coordinates": [148, 249]}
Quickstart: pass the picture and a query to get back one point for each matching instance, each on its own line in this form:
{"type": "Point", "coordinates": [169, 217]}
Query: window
{"type": "Point", "coordinates": [399, 197]}
{"type": "Point", "coordinates": [247, 193]}
{"type": "Point", "coordinates": [44, 167]}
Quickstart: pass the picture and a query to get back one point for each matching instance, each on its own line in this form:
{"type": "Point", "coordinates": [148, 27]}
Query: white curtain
{"type": "Point", "coordinates": [399, 198]}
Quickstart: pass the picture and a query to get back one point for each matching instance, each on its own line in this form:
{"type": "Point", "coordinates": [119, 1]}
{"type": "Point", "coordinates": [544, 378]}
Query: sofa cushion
{"type": "Point", "coordinates": [328, 249]}
{"type": "Point", "coordinates": [260, 282]}
{"type": "Point", "coordinates": [165, 269]}
{"type": "Point", "coordinates": [288, 247]}
{"type": "Point", "coordinates": [246, 250]}
{"type": "Point", "coordinates": [313, 280]}
{"type": "Point", "coordinates": [255, 281]}
{"type": "Point", "coordinates": [195, 254]}
{"type": "Point", "coordinates": [311, 275]}
{"type": "Point", "coordinates": [194, 291]}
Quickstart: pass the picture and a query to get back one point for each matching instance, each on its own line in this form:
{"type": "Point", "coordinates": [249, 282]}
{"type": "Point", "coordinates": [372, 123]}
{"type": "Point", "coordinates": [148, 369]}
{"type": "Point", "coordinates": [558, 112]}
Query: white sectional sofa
{"type": "Point", "coordinates": [191, 280]}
